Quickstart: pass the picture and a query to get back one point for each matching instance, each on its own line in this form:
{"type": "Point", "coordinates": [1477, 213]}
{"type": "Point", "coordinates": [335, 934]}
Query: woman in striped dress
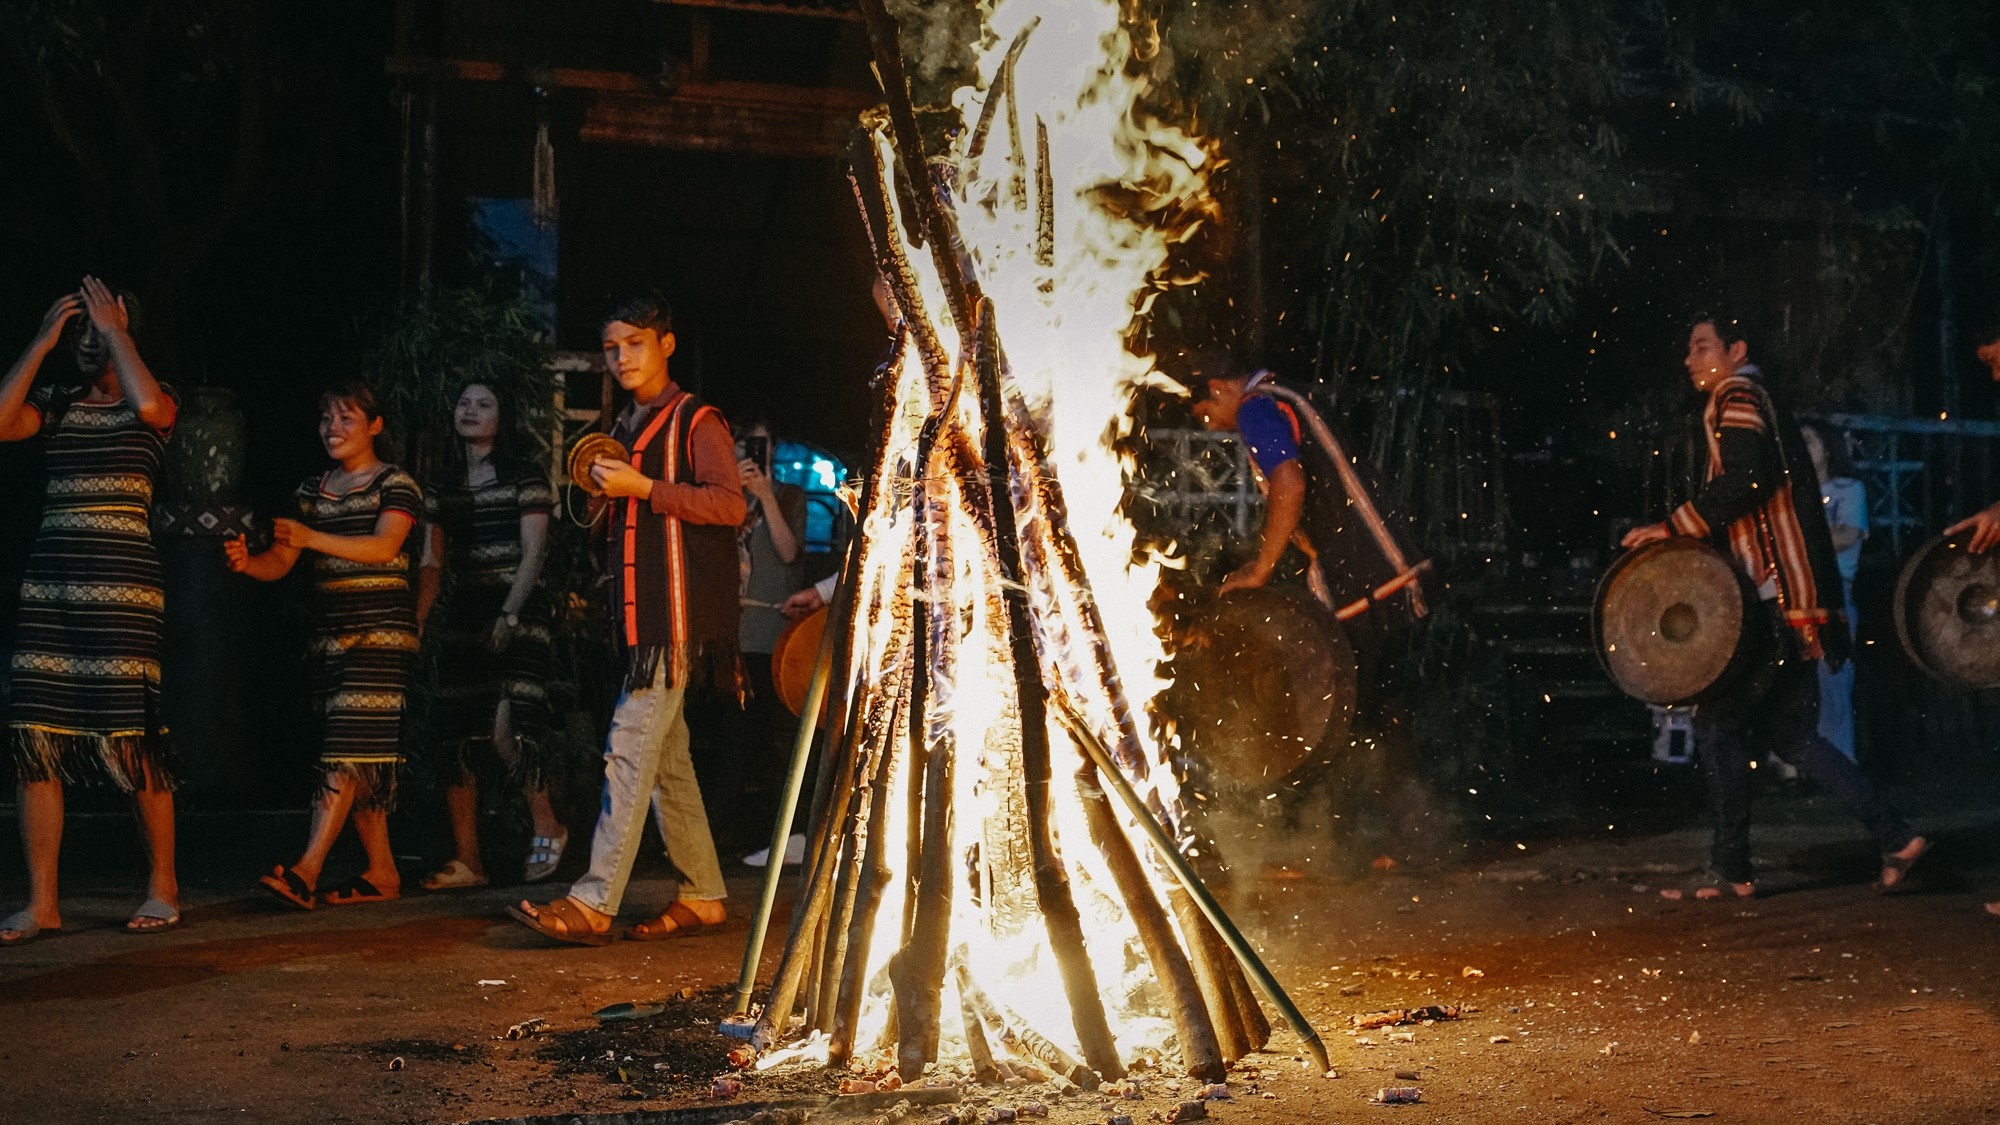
{"type": "Point", "coordinates": [86, 663]}
{"type": "Point", "coordinates": [489, 536]}
{"type": "Point", "coordinates": [355, 519]}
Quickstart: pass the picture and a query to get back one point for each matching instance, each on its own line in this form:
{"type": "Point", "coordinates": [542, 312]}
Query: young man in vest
{"type": "Point", "coordinates": [673, 513]}
{"type": "Point", "coordinates": [1761, 503]}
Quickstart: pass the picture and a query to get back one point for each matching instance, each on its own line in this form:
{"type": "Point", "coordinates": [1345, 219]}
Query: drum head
{"type": "Point", "coordinates": [1948, 613]}
{"type": "Point", "coordinates": [1266, 678]}
{"type": "Point", "coordinates": [587, 449]}
{"type": "Point", "coordinates": [1668, 621]}
{"type": "Point", "coordinates": [793, 657]}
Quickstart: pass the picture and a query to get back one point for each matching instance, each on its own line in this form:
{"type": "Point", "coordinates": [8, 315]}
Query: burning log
{"type": "Point", "coordinates": [1051, 880]}
{"type": "Point", "coordinates": [1196, 1032]}
{"type": "Point", "coordinates": [973, 608]}
{"type": "Point", "coordinates": [1020, 1039]}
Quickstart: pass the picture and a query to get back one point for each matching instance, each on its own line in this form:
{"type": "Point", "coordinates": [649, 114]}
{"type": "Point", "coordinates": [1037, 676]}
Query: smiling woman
{"type": "Point", "coordinates": [355, 519]}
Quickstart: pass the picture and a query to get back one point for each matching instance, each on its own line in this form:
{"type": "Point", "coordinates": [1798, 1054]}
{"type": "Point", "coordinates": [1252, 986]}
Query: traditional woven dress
{"type": "Point", "coordinates": [482, 530]}
{"type": "Point", "coordinates": [364, 632]}
{"type": "Point", "coordinates": [86, 664]}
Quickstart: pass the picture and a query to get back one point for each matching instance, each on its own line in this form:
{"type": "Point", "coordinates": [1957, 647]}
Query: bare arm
{"type": "Point", "coordinates": [1284, 503]}
{"type": "Point", "coordinates": [534, 554]}
{"type": "Point", "coordinates": [429, 571]}
{"type": "Point", "coordinates": [18, 420]}
{"type": "Point", "coordinates": [135, 380]}
{"type": "Point", "coordinates": [391, 528]}
{"type": "Point", "coordinates": [777, 517]}
{"type": "Point", "coordinates": [265, 566]}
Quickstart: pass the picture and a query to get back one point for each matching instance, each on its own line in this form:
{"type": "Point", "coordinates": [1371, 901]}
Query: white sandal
{"type": "Point", "coordinates": [453, 876]}
{"type": "Point", "coordinates": [544, 856]}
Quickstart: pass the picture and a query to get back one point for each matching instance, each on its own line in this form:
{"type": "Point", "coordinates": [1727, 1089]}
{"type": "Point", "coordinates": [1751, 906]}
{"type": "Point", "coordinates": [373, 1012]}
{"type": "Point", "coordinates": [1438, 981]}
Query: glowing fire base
{"type": "Point", "coordinates": [972, 891]}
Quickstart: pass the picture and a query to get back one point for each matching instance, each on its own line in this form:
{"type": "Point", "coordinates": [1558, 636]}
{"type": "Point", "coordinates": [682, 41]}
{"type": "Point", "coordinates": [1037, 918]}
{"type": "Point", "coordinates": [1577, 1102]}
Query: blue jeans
{"type": "Point", "coordinates": [646, 761]}
{"type": "Point", "coordinates": [1836, 693]}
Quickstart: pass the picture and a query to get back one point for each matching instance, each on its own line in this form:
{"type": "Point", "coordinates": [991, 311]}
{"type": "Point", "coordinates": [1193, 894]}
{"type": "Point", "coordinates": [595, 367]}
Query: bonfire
{"type": "Point", "coordinates": [995, 878]}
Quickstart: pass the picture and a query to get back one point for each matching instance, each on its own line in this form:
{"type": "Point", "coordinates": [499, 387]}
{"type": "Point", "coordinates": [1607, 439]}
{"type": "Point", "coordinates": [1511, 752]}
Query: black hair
{"type": "Point", "coordinates": [505, 437]}
{"type": "Point", "coordinates": [356, 392]}
{"type": "Point", "coordinates": [1731, 327]}
{"type": "Point", "coordinates": [1839, 451]}
{"type": "Point", "coordinates": [640, 308]}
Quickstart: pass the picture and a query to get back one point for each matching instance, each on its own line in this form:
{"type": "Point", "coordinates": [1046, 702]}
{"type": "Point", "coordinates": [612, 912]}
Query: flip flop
{"type": "Point", "coordinates": [1900, 867]}
{"type": "Point", "coordinates": [289, 886]}
{"type": "Point", "coordinates": [562, 920]}
{"type": "Point", "coordinates": [359, 890]}
{"type": "Point", "coordinates": [686, 924]}
{"type": "Point", "coordinates": [544, 856]}
{"type": "Point", "coordinates": [453, 876]}
{"type": "Point", "coordinates": [25, 929]}
{"type": "Point", "coordinates": [166, 914]}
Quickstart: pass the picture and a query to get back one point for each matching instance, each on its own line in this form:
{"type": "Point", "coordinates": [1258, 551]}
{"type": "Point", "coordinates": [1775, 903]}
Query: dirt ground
{"type": "Point", "coordinates": [1595, 1000]}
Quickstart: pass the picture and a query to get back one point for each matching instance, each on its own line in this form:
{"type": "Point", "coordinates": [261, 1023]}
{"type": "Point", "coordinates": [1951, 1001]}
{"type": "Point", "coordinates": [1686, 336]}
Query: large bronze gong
{"type": "Point", "coordinates": [1948, 613]}
{"type": "Point", "coordinates": [1668, 622]}
{"type": "Point", "coordinates": [1264, 678]}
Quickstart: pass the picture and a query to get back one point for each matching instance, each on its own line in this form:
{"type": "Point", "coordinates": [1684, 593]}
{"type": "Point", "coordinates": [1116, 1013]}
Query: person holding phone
{"type": "Point", "coordinates": [86, 662]}
{"type": "Point", "coordinates": [771, 543]}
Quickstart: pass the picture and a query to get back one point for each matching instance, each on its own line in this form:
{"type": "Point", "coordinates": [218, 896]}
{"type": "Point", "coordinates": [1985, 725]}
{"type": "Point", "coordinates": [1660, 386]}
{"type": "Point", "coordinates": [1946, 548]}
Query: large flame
{"type": "Point", "coordinates": [1067, 213]}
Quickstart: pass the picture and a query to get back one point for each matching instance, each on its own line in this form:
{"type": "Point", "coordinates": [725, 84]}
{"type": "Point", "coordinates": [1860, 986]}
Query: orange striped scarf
{"type": "Point", "coordinates": [1768, 542]}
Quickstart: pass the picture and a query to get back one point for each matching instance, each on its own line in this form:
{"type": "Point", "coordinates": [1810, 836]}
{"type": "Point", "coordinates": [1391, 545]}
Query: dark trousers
{"type": "Point", "coordinates": [1732, 733]}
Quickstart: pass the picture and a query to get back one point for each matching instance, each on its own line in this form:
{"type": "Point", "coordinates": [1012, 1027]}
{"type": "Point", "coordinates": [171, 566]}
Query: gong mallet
{"type": "Point", "coordinates": [781, 831]}
{"type": "Point", "coordinates": [1100, 755]}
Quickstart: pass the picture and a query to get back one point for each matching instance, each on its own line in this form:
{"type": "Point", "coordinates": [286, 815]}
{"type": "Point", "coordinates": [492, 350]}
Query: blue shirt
{"type": "Point", "coordinates": [1267, 430]}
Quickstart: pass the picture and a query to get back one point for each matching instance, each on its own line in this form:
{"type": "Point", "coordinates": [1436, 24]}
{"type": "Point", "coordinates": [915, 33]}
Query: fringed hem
{"type": "Point", "coordinates": [376, 781]}
{"type": "Point", "coordinates": [710, 666]}
{"type": "Point", "coordinates": [129, 760]}
{"type": "Point", "coordinates": [531, 766]}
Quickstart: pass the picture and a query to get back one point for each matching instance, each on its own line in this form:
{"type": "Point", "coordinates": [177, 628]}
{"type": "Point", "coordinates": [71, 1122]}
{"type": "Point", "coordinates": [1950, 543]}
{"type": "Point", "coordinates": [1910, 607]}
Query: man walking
{"type": "Point", "coordinates": [674, 511]}
{"type": "Point", "coordinates": [1761, 499]}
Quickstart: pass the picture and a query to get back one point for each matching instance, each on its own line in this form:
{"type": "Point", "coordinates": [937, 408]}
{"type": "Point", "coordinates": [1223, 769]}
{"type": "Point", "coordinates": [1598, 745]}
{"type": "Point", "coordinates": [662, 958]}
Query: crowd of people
{"type": "Point", "coordinates": [702, 548]}
{"type": "Point", "coordinates": [702, 554]}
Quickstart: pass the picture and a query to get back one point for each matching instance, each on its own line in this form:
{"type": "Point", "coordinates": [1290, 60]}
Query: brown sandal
{"type": "Point", "coordinates": [686, 923]}
{"type": "Point", "coordinates": [562, 920]}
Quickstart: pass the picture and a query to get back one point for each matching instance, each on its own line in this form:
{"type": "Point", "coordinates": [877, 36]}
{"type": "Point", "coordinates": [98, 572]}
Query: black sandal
{"type": "Point", "coordinates": [359, 890]}
{"type": "Point", "coordinates": [289, 886]}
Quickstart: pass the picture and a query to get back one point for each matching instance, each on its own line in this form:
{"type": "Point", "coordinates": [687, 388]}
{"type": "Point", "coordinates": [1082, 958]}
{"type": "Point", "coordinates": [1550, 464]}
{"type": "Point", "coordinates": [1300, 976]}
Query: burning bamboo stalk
{"type": "Point", "coordinates": [861, 930]}
{"type": "Point", "coordinates": [1252, 964]}
{"type": "Point", "coordinates": [851, 900]}
{"type": "Point", "coordinates": [1020, 1039]}
{"type": "Point", "coordinates": [801, 956]}
{"type": "Point", "coordinates": [1052, 889]}
{"type": "Point", "coordinates": [884, 38]}
{"type": "Point", "coordinates": [1045, 205]}
{"type": "Point", "coordinates": [1002, 87]}
{"type": "Point", "coordinates": [985, 1069]}
{"type": "Point", "coordinates": [1210, 961]}
{"type": "Point", "coordinates": [1186, 1005]}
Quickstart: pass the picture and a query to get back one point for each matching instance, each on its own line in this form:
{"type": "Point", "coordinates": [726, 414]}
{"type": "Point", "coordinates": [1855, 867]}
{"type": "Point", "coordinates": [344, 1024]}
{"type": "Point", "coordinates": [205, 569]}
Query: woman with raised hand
{"type": "Point", "coordinates": [354, 519]}
{"type": "Point", "coordinates": [487, 541]}
{"type": "Point", "coordinates": [86, 663]}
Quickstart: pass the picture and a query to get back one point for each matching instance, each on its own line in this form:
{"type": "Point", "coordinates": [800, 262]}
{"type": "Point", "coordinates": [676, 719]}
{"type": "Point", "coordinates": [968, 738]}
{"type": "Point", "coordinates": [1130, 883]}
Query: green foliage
{"type": "Point", "coordinates": [428, 350]}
